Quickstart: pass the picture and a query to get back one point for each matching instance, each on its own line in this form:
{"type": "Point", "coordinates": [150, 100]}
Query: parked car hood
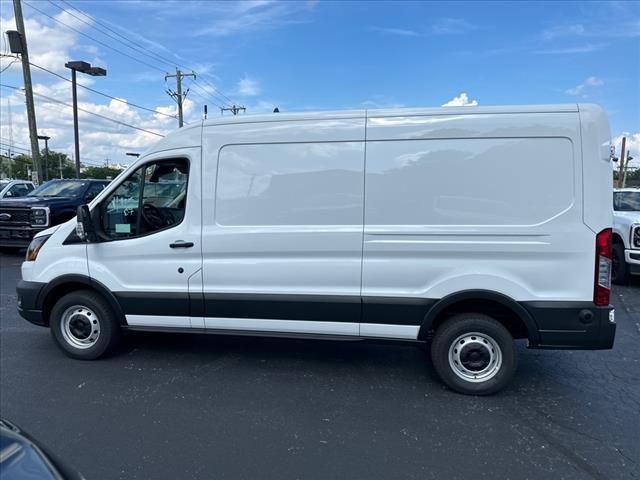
{"type": "Point", "coordinates": [28, 202]}
{"type": "Point", "coordinates": [626, 217]}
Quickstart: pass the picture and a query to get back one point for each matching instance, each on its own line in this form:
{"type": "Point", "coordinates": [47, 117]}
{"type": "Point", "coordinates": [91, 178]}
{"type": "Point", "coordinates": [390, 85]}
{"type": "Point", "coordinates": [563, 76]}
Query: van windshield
{"type": "Point", "coordinates": [626, 201]}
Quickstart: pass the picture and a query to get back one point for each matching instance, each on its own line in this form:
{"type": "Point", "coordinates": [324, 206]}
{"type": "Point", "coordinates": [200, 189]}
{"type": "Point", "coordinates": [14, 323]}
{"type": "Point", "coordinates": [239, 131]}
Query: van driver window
{"type": "Point", "coordinates": [151, 198]}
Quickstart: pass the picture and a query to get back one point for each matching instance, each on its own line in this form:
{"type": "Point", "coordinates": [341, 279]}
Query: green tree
{"type": "Point", "coordinates": [100, 172]}
{"type": "Point", "coordinates": [20, 166]}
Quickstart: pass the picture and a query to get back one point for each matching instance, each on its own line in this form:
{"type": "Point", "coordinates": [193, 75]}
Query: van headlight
{"type": "Point", "coordinates": [35, 246]}
{"type": "Point", "coordinates": [39, 216]}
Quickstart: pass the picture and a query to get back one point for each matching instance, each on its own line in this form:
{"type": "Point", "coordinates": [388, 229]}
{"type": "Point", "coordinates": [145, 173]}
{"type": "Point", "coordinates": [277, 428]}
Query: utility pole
{"type": "Point", "coordinates": [621, 170]}
{"type": "Point", "coordinates": [626, 168]}
{"type": "Point", "coordinates": [28, 89]}
{"type": "Point", "coordinates": [235, 109]}
{"type": "Point", "coordinates": [45, 171]}
{"type": "Point", "coordinates": [177, 95]}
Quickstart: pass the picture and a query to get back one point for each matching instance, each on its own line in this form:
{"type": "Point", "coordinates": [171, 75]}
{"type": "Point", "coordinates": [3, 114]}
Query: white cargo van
{"type": "Point", "coordinates": [467, 227]}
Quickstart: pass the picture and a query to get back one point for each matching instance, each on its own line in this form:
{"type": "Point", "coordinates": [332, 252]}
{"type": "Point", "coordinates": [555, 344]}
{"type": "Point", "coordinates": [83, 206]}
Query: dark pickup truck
{"type": "Point", "coordinates": [52, 203]}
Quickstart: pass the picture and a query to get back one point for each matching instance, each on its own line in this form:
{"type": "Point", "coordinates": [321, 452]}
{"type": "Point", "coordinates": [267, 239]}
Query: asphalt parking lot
{"type": "Point", "coordinates": [182, 407]}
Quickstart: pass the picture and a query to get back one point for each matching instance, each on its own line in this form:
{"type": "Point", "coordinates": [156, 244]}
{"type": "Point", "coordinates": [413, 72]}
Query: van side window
{"type": "Point", "coordinates": [150, 199]}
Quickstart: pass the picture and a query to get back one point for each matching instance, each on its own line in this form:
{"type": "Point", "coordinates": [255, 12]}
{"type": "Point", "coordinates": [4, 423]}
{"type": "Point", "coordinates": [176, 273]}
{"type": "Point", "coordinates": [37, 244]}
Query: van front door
{"type": "Point", "coordinates": [149, 252]}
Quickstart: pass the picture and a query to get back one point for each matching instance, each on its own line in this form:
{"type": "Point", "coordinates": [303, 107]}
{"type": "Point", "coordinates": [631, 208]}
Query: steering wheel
{"type": "Point", "coordinates": [154, 216]}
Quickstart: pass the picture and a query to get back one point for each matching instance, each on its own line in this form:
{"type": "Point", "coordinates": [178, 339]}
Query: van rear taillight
{"type": "Point", "coordinates": [602, 282]}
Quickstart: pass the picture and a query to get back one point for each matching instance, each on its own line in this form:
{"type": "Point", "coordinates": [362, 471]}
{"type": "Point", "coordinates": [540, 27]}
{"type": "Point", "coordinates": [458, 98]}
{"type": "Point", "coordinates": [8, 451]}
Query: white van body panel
{"type": "Point", "coordinates": [455, 202]}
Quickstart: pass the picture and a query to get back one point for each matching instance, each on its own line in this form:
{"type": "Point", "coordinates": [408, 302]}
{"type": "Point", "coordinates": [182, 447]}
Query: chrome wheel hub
{"type": "Point", "coordinates": [80, 326]}
{"type": "Point", "coordinates": [475, 357]}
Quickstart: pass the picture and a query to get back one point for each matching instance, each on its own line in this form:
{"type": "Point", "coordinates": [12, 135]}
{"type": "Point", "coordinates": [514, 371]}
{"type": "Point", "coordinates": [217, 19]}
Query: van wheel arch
{"type": "Point", "coordinates": [513, 316]}
{"type": "Point", "coordinates": [65, 284]}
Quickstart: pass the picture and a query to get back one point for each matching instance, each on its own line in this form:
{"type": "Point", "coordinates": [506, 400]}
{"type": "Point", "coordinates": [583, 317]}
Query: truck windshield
{"type": "Point", "coordinates": [626, 201]}
{"type": "Point", "coordinates": [59, 188]}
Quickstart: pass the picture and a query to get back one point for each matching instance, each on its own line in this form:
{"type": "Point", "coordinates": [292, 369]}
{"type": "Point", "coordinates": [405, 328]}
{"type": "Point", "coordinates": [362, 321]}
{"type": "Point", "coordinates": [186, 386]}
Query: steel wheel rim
{"type": "Point", "coordinates": [475, 357]}
{"type": "Point", "coordinates": [80, 327]}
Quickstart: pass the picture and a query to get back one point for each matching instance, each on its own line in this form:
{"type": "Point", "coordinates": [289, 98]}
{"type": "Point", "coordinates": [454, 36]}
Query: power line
{"type": "Point", "coordinates": [84, 110]}
{"type": "Point", "coordinates": [15, 59]}
{"type": "Point", "coordinates": [139, 50]}
{"type": "Point", "coordinates": [8, 146]}
{"type": "Point", "coordinates": [145, 51]}
{"type": "Point", "coordinates": [24, 151]}
{"type": "Point", "coordinates": [94, 39]}
{"type": "Point", "coordinates": [196, 85]}
{"type": "Point", "coordinates": [105, 94]}
{"type": "Point", "coordinates": [20, 145]}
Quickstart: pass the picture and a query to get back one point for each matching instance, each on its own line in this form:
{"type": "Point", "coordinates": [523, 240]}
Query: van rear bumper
{"type": "Point", "coordinates": [572, 325]}
{"type": "Point", "coordinates": [28, 305]}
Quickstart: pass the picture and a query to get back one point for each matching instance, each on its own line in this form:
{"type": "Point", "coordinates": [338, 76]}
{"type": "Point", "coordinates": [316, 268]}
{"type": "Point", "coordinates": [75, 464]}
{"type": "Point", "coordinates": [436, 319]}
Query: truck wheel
{"type": "Point", "coordinates": [84, 325]}
{"type": "Point", "coordinates": [620, 273]}
{"type": "Point", "coordinates": [474, 354]}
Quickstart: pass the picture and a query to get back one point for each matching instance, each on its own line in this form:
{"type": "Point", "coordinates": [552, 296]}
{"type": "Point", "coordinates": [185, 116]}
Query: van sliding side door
{"type": "Point", "coordinates": [282, 225]}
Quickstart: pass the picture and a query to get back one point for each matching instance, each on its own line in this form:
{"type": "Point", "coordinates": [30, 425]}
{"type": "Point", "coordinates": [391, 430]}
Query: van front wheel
{"type": "Point", "coordinates": [474, 354]}
{"type": "Point", "coordinates": [84, 326]}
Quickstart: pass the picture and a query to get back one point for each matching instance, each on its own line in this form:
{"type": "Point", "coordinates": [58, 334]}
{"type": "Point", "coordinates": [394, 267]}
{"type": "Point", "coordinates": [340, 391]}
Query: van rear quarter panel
{"type": "Point", "coordinates": [488, 201]}
{"type": "Point", "coordinates": [596, 167]}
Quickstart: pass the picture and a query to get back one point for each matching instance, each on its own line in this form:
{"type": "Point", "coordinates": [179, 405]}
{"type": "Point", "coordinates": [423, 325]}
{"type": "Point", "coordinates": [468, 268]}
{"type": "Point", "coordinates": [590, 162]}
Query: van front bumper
{"type": "Point", "coordinates": [28, 305]}
{"type": "Point", "coordinates": [573, 325]}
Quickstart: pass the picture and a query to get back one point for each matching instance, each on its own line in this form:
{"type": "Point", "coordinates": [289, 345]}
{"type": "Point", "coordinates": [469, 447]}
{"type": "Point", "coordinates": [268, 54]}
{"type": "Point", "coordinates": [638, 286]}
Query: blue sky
{"type": "Point", "coordinates": [328, 55]}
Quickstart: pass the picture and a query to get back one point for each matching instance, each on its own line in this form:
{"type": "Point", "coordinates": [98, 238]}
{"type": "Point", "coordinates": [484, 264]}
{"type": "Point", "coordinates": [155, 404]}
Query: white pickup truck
{"type": "Point", "coordinates": [626, 234]}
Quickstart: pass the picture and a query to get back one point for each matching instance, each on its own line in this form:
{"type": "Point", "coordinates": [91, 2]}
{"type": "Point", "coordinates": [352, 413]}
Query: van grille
{"type": "Point", "coordinates": [17, 217]}
{"type": "Point", "coordinates": [635, 237]}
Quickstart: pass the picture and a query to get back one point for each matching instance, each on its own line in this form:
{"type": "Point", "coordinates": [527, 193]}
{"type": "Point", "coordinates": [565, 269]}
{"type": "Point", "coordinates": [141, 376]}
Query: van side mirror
{"type": "Point", "coordinates": [85, 228]}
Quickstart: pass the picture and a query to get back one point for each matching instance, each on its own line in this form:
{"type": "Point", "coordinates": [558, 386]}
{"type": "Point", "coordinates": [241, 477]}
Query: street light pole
{"type": "Point", "coordinates": [76, 136]}
{"type": "Point", "coordinates": [83, 67]}
{"type": "Point", "coordinates": [45, 173]}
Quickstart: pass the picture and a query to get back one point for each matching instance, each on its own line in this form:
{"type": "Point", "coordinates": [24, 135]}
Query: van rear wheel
{"type": "Point", "coordinates": [84, 326]}
{"type": "Point", "coordinates": [474, 354]}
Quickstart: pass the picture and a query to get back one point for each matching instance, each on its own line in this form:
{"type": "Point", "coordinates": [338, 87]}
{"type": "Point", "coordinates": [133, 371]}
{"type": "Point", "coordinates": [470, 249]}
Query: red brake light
{"type": "Point", "coordinates": [602, 280]}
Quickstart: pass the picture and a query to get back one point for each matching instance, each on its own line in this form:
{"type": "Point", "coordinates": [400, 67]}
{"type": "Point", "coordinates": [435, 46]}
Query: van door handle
{"type": "Point", "coordinates": [181, 244]}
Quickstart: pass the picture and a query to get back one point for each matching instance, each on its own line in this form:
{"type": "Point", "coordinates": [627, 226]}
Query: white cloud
{"type": "Point", "coordinates": [443, 26]}
{"type": "Point", "coordinates": [627, 28]}
{"type": "Point", "coordinates": [403, 32]}
{"type": "Point", "coordinates": [587, 48]}
{"type": "Point", "coordinates": [247, 87]}
{"type": "Point", "coordinates": [451, 26]}
{"type": "Point", "coordinates": [232, 18]}
{"type": "Point", "coordinates": [381, 101]}
{"type": "Point", "coordinates": [584, 87]}
{"type": "Point", "coordinates": [461, 100]}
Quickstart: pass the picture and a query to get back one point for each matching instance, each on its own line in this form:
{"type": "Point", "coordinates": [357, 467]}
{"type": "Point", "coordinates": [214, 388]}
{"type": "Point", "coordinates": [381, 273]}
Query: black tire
{"type": "Point", "coordinates": [94, 314]}
{"type": "Point", "coordinates": [620, 269]}
{"type": "Point", "coordinates": [480, 348]}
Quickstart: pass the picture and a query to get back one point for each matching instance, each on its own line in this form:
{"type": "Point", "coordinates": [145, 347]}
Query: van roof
{"type": "Point", "coordinates": [392, 112]}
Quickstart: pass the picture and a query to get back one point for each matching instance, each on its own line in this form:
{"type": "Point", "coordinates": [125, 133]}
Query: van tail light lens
{"type": "Point", "coordinates": [602, 281]}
